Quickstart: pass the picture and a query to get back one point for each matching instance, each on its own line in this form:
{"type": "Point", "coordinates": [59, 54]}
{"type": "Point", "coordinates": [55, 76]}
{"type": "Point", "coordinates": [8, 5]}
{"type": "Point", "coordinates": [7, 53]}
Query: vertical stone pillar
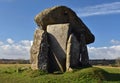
{"type": "Point", "coordinates": [72, 54]}
{"type": "Point", "coordinates": [83, 51]}
{"type": "Point", "coordinates": [39, 50]}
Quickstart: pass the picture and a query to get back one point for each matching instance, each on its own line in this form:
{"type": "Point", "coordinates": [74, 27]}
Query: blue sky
{"type": "Point", "coordinates": [17, 25]}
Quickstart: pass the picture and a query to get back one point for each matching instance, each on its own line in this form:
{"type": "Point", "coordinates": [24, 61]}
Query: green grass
{"type": "Point", "coordinates": [23, 74]}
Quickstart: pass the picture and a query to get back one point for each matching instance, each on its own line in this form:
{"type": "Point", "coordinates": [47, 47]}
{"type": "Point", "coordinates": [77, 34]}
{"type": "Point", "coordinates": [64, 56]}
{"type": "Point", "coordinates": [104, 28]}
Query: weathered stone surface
{"type": "Point", "coordinates": [60, 43]}
{"type": "Point", "coordinates": [63, 14]}
{"type": "Point", "coordinates": [39, 50]}
{"type": "Point", "coordinates": [73, 53]}
{"type": "Point", "coordinates": [83, 51]}
{"type": "Point", "coordinates": [58, 35]}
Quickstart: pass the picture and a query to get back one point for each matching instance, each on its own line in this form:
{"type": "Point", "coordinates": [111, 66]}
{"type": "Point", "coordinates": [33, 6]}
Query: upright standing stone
{"type": "Point", "coordinates": [83, 51]}
{"type": "Point", "coordinates": [73, 54]}
{"type": "Point", "coordinates": [39, 50]}
{"type": "Point", "coordinates": [58, 35]}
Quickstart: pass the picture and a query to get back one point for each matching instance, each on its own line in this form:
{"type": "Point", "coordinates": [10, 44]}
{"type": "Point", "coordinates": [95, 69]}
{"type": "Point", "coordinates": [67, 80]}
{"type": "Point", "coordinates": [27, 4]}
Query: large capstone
{"type": "Point", "coordinates": [63, 14]}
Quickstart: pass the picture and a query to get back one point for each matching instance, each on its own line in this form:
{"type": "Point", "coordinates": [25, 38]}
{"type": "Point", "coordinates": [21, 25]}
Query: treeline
{"type": "Point", "coordinates": [14, 61]}
{"type": "Point", "coordinates": [112, 62]}
{"type": "Point", "coordinates": [102, 61]}
{"type": "Point", "coordinates": [106, 62]}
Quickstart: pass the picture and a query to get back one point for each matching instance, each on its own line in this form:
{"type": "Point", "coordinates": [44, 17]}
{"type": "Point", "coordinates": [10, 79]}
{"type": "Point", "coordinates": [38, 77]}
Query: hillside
{"type": "Point", "coordinates": [23, 74]}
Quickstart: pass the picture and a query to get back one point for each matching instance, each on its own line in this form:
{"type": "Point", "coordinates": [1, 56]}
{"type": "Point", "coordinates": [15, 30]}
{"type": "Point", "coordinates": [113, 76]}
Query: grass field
{"type": "Point", "coordinates": [21, 73]}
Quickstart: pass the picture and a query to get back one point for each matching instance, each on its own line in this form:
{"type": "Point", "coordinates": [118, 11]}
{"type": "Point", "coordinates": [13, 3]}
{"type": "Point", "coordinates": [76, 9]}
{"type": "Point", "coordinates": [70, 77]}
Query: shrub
{"type": "Point", "coordinates": [118, 61]}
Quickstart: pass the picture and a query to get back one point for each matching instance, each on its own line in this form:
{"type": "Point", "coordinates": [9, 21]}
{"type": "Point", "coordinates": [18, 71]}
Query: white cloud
{"type": "Point", "coordinates": [102, 9]}
{"type": "Point", "coordinates": [26, 42]}
{"type": "Point", "coordinates": [21, 50]}
{"type": "Point", "coordinates": [111, 52]}
{"type": "Point", "coordinates": [1, 43]}
{"type": "Point", "coordinates": [115, 41]}
{"type": "Point", "coordinates": [10, 41]}
{"type": "Point", "coordinates": [18, 50]}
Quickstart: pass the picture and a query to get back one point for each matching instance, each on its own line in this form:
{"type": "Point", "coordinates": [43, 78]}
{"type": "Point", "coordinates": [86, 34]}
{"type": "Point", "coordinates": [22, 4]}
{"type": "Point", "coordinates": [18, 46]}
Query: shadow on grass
{"type": "Point", "coordinates": [107, 76]}
{"type": "Point", "coordinates": [112, 76]}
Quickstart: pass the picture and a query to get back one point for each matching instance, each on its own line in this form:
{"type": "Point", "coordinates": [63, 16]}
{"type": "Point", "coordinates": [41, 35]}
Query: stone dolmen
{"type": "Point", "coordinates": [60, 42]}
